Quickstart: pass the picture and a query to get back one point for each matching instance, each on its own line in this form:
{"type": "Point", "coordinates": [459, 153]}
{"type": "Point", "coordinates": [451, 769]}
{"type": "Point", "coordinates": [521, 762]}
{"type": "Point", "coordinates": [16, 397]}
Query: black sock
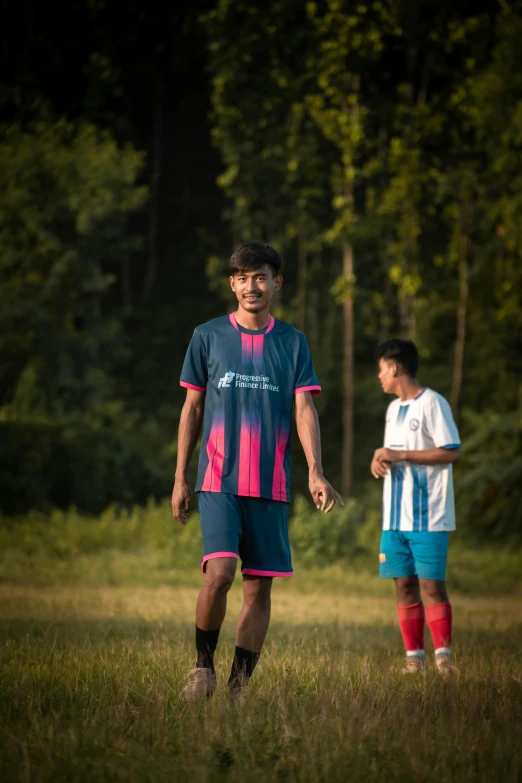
{"type": "Point", "coordinates": [206, 643]}
{"type": "Point", "coordinates": [242, 666]}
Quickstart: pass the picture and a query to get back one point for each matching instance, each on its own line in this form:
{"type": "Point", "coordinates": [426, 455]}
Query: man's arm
{"type": "Point", "coordinates": [307, 421]}
{"type": "Point", "coordinates": [424, 457]}
{"type": "Point", "coordinates": [188, 434]}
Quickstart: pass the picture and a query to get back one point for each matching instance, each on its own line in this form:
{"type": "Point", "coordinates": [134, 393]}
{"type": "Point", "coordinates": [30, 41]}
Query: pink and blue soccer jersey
{"type": "Point", "coordinates": [250, 379]}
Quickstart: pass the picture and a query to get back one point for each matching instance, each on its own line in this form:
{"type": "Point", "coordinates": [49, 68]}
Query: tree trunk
{"type": "Point", "coordinates": [155, 197]}
{"type": "Point", "coordinates": [351, 110]}
{"type": "Point", "coordinates": [302, 270]}
{"type": "Point", "coordinates": [125, 281]}
{"type": "Point", "coordinates": [385, 322]}
{"type": "Point", "coordinates": [403, 313]}
{"type": "Point", "coordinates": [348, 374]}
{"type": "Point", "coordinates": [407, 319]}
{"type": "Point", "coordinates": [313, 320]}
{"type": "Point", "coordinates": [462, 309]}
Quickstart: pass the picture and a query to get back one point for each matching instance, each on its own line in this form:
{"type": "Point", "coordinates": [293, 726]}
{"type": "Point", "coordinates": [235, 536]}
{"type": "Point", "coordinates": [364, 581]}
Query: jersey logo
{"type": "Point", "coordinates": [382, 558]}
{"type": "Point", "coordinates": [414, 425]}
{"type": "Point", "coordinates": [239, 381]}
{"type": "Point", "coordinates": [226, 380]}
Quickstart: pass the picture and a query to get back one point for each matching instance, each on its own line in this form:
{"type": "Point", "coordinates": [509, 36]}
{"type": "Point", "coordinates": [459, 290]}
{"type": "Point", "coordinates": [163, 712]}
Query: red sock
{"type": "Point", "coordinates": [411, 621]}
{"type": "Point", "coordinates": [439, 619]}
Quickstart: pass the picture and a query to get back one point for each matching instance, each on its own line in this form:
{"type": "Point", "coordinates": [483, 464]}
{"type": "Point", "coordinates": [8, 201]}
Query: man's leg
{"type": "Point", "coordinates": [439, 617]}
{"type": "Point", "coordinates": [396, 561]}
{"type": "Point", "coordinates": [431, 552]}
{"type": "Point", "coordinates": [410, 611]}
{"type": "Point", "coordinates": [252, 628]}
{"type": "Point", "coordinates": [265, 554]}
{"type": "Point", "coordinates": [210, 613]}
{"type": "Point", "coordinates": [211, 607]}
{"type": "Point", "coordinates": [220, 518]}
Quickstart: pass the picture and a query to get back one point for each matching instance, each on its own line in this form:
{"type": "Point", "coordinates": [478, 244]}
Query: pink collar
{"type": "Point", "coordinates": [234, 323]}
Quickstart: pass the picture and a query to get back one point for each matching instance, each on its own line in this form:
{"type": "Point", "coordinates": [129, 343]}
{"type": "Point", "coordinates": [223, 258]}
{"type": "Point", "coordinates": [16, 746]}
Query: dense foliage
{"type": "Point", "coordinates": [377, 145]}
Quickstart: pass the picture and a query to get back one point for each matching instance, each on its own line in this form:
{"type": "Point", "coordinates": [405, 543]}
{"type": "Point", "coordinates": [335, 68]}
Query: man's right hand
{"type": "Point", "coordinates": [379, 469]}
{"type": "Point", "coordinates": [181, 500]}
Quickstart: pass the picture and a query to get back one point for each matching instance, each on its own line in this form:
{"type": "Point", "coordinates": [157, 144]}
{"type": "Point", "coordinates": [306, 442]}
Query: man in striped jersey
{"type": "Point", "coordinates": [245, 374]}
{"type": "Point", "coordinates": [421, 442]}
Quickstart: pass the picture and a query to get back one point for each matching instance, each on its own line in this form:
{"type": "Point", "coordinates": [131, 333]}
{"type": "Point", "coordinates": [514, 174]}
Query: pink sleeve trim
{"type": "Point", "coordinates": [256, 572]}
{"type": "Point", "coordinates": [314, 389]}
{"type": "Point", "coordinates": [192, 386]}
{"type": "Point", "coordinates": [213, 556]}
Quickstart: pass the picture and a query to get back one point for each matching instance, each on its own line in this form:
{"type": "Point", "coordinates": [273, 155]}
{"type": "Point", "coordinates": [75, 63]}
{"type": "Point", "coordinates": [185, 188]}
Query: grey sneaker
{"type": "Point", "coordinates": [414, 664]}
{"type": "Point", "coordinates": [201, 684]}
{"type": "Point", "coordinates": [444, 666]}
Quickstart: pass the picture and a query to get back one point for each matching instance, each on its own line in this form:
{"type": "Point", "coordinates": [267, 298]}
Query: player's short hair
{"type": "Point", "coordinates": [254, 255]}
{"type": "Point", "coordinates": [403, 352]}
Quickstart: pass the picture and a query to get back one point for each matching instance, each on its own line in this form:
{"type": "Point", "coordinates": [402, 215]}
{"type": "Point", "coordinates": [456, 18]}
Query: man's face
{"type": "Point", "coordinates": [254, 290]}
{"type": "Point", "coordinates": [387, 375]}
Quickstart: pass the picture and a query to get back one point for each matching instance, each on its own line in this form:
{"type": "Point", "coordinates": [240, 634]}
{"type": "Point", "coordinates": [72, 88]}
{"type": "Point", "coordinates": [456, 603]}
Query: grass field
{"type": "Point", "coordinates": [90, 677]}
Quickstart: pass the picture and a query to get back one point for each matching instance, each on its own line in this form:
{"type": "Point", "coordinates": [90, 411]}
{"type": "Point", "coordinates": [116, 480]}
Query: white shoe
{"type": "Point", "coordinates": [201, 684]}
{"type": "Point", "coordinates": [414, 664]}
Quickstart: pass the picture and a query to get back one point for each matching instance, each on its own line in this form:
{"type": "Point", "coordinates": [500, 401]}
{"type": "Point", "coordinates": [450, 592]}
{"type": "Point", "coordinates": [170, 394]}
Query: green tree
{"type": "Point", "coordinates": [275, 178]}
{"type": "Point", "coordinates": [66, 196]}
{"type": "Point", "coordinates": [497, 114]}
{"type": "Point", "coordinates": [489, 489]}
{"type": "Point", "coordinates": [348, 40]}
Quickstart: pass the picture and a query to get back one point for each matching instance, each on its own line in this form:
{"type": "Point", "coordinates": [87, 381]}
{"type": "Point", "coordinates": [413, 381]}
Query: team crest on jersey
{"type": "Point", "coordinates": [382, 558]}
{"type": "Point", "coordinates": [226, 380]}
{"type": "Point", "coordinates": [414, 425]}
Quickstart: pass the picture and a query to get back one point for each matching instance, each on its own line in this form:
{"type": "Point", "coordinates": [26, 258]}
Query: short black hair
{"type": "Point", "coordinates": [254, 255]}
{"type": "Point", "coordinates": [403, 352]}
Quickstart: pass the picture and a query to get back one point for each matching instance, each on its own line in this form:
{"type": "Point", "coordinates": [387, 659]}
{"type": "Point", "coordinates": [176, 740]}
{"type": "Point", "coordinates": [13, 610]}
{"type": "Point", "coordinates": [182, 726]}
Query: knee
{"type": "Point", "coordinates": [408, 589]}
{"type": "Point", "coordinates": [257, 592]}
{"type": "Point", "coordinates": [434, 591]}
{"type": "Point", "coordinates": [219, 579]}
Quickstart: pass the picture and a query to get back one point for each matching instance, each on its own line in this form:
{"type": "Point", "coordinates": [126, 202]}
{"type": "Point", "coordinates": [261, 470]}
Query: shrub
{"type": "Point", "coordinates": [322, 539]}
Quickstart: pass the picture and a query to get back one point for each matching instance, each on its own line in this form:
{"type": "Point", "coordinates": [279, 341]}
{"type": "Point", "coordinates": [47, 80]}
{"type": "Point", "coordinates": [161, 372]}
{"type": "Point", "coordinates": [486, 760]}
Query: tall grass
{"type": "Point", "coordinates": [90, 681]}
{"type": "Point", "coordinates": [96, 637]}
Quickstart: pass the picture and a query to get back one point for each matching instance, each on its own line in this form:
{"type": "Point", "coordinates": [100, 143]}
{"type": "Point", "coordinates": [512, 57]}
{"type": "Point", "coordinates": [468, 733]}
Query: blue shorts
{"type": "Point", "coordinates": [407, 554]}
{"type": "Point", "coordinates": [254, 529]}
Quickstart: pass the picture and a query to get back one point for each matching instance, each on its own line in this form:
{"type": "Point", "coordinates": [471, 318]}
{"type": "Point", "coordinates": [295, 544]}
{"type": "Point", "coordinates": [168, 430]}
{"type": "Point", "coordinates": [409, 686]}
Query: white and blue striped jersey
{"type": "Point", "coordinates": [419, 497]}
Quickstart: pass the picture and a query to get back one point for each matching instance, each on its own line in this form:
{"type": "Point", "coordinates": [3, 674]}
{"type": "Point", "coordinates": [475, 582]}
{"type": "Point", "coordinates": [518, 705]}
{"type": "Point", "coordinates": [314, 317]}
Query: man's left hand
{"type": "Point", "coordinates": [324, 495]}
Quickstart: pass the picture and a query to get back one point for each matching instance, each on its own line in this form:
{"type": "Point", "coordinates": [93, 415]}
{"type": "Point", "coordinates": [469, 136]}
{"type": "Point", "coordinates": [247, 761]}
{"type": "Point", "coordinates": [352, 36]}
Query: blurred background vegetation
{"type": "Point", "coordinates": [377, 145]}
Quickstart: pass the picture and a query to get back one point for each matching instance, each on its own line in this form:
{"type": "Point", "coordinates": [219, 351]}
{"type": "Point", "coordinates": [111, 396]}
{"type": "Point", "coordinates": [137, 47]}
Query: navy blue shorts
{"type": "Point", "coordinates": [254, 529]}
{"type": "Point", "coordinates": [407, 554]}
